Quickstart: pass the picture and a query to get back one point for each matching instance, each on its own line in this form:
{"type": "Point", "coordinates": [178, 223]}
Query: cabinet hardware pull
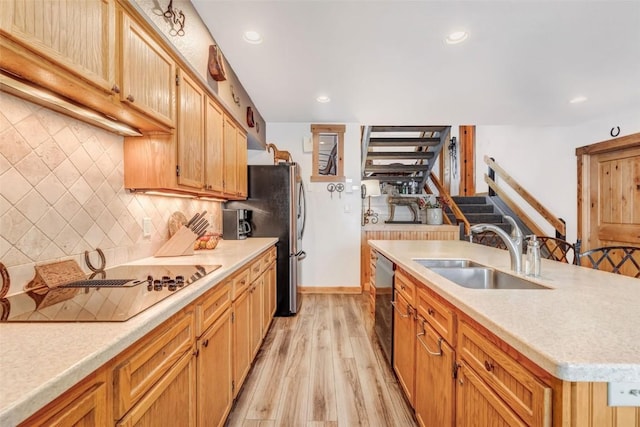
{"type": "Point", "coordinates": [488, 366]}
{"type": "Point", "coordinates": [404, 316]}
{"type": "Point", "coordinates": [424, 344]}
{"type": "Point", "coordinates": [196, 353]}
{"type": "Point", "coordinates": [130, 98]}
{"type": "Point", "coordinates": [205, 342]}
{"type": "Point", "coordinates": [115, 89]}
{"type": "Point", "coordinates": [431, 311]}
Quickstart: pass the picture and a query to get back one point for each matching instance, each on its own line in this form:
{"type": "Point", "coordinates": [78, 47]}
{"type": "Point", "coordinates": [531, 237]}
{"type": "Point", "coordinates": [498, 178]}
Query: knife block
{"type": "Point", "coordinates": [181, 243]}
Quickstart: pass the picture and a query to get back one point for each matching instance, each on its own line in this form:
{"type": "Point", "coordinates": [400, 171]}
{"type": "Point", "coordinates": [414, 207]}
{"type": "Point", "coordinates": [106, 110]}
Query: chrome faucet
{"type": "Point", "coordinates": [513, 242]}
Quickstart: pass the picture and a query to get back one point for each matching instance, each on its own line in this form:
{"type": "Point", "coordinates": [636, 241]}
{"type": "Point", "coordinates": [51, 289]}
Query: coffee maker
{"type": "Point", "coordinates": [236, 224]}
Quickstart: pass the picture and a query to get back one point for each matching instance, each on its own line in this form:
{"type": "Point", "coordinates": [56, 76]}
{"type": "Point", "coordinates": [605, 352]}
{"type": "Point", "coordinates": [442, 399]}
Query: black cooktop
{"type": "Point", "coordinates": [112, 295]}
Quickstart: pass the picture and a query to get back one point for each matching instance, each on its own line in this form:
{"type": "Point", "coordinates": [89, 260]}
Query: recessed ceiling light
{"type": "Point", "coordinates": [578, 99]}
{"type": "Point", "coordinates": [323, 99]}
{"type": "Point", "coordinates": [456, 37]}
{"type": "Point", "coordinates": [252, 37]}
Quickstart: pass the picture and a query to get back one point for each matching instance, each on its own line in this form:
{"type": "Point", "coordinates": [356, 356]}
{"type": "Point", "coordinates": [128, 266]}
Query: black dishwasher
{"type": "Point", "coordinates": [384, 309]}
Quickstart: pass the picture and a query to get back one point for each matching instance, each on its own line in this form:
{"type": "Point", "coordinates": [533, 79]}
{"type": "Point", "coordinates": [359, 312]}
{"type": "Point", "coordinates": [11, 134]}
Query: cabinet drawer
{"type": "Point", "coordinates": [439, 316]}
{"type": "Point", "coordinates": [148, 360]}
{"type": "Point", "coordinates": [404, 284]}
{"type": "Point", "coordinates": [212, 305]}
{"type": "Point", "coordinates": [240, 283]}
{"type": "Point", "coordinates": [255, 269]}
{"type": "Point", "coordinates": [524, 393]}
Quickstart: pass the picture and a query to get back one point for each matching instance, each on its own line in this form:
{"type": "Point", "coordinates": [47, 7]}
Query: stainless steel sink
{"type": "Point", "coordinates": [447, 263]}
{"type": "Point", "coordinates": [484, 278]}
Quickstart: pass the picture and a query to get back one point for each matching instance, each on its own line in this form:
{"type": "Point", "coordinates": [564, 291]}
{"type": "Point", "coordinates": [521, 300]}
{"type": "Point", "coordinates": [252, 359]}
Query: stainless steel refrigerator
{"type": "Point", "coordinates": [276, 199]}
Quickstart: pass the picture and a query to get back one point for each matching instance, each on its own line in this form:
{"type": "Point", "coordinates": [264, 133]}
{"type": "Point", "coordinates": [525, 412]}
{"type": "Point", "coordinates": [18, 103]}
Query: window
{"type": "Point", "coordinates": [328, 151]}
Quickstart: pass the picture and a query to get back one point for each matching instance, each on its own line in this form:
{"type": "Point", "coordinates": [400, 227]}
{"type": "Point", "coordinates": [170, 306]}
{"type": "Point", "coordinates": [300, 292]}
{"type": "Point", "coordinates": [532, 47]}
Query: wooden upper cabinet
{"type": "Point", "coordinates": [148, 73]}
{"type": "Point", "coordinates": [213, 147]}
{"type": "Point", "coordinates": [78, 35]}
{"type": "Point", "coordinates": [241, 165]}
{"type": "Point", "coordinates": [191, 103]}
{"type": "Point", "coordinates": [230, 152]}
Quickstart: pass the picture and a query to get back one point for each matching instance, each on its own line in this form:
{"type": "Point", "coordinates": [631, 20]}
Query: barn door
{"type": "Point", "coordinates": [609, 187]}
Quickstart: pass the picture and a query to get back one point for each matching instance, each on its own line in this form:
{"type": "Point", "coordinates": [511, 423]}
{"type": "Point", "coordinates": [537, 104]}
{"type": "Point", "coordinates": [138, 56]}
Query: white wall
{"type": "Point", "coordinates": [332, 234]}
{"type": "Point", "coordinates": [543, 161]}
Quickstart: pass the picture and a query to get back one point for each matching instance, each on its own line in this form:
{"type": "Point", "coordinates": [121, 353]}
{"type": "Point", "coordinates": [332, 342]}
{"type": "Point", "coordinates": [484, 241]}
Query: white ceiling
{"type": "Point", "coordinates": [385, 62]}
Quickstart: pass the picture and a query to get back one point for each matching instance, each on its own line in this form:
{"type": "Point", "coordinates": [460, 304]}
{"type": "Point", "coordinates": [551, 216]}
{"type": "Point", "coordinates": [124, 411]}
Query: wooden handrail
{"type": "Point", "coordinates": [450, 202]}
{"type": "Point", "coordinates": [537, 206]}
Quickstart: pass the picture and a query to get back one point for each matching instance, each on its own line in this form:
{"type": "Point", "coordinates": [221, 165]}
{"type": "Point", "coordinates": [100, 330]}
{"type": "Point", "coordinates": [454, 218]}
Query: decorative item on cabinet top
{"type": "Point", "coordinates": [216, 64]}
{"type": "Point", "coordinates": [176, 20]}
{"type": "Point", "coordinates": [279, 155]}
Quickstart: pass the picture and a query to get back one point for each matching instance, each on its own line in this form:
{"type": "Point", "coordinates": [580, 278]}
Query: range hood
{"type": "Point", "coordinates": [38, 95]}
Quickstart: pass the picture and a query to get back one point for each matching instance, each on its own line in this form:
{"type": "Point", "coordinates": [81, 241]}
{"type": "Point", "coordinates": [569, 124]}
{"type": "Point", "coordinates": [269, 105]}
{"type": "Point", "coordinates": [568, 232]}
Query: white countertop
{"type": "Point", "coordinates": [587, 328]}
{"type": "Point", "coordinates": [39, 361]}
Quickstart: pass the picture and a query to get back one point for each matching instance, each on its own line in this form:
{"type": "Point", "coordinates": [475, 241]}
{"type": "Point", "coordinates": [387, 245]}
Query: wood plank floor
{"type": "Point", "coordinates": [322, 368]}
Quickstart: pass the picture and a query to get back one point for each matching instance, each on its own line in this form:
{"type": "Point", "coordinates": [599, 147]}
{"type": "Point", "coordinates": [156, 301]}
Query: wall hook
{"type": "Point", "coordinates": [615, 131]}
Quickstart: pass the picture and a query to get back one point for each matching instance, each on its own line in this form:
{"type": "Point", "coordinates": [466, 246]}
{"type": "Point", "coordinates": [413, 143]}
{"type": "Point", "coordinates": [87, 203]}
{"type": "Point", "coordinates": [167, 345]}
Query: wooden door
{"type": "Point", "coordinates": [215, 373]}
{"type": "Point", "coordinates": [404, 349]}
{"type": "Point", "coordinates": [191, 102]}
{"type": "Point", "coordinates": [171, 401]}
{"type": "Point", "coordinates": [435, 393]}
{"type": "Point", "coordinates": [213, 147]}
{"type": "Point", "coordinates": [467, 154]}
{"type": "Point", "coordinates": [609, 193]}
{"type": "Point", "coordinates": [241, 339]}
{"type": "Point", "coordinates": [230, 150]}
{"type": "Point", "coordinates": [477, 405]}
{"type": "Point", "coordinates": [78, 35]}
{"type": "Point", "coordinates": [148, 74]}
{"type": "Point", "coordinates": [241, 164]}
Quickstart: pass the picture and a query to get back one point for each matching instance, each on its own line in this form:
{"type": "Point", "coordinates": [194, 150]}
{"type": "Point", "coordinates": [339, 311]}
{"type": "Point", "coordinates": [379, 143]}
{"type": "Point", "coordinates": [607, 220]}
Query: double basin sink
{"type": "Point", "coordinates": [469, 274]}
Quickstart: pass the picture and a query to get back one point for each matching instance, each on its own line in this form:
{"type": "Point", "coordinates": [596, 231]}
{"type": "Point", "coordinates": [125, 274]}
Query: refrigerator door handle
{"type": "Point", "coordinates": [300, 255]}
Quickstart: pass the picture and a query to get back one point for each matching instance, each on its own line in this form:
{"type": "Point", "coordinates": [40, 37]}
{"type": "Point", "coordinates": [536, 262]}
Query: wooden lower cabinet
{"type": "Point", "coordinates": [85, 405]}
{"type": "Point", "coordinates": [215, 373]}
{"type": "Point", "coordinates": [171, 401]}
{"type": "Point", "coordinates": [256, 303]}
{"type": "Point", "coordinates": [478, 406]}
{"type": "Point", "coordinates": [435, 383]}
{"type": "Point", "coordinates": [404, 346]}
{"type": "Point", "coordinates": [241, 340]}
{"type": "Point", "coordinates": [269, 302]}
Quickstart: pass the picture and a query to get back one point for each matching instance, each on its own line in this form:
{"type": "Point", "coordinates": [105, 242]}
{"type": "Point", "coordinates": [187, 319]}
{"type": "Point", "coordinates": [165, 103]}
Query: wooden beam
{"type": "Point", "coordinates": [408, 128]}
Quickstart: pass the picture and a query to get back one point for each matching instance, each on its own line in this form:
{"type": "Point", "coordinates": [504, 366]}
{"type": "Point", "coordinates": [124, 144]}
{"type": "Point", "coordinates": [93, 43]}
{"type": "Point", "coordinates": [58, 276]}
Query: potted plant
{"type": "Point", "coordinates": [433, 206]}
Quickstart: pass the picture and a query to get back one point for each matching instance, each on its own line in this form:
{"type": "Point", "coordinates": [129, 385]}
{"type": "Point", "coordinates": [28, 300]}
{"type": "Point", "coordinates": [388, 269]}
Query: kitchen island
{"type": "Point", "coordinates": [40, 361]}
{"type": "Point", "coordinates": [575, 337]}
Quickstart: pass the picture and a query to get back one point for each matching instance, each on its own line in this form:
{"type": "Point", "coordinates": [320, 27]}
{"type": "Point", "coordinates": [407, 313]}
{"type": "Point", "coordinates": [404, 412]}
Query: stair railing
{"type": "Point", "coordinates": [557, 223]}
{"type": "Point", "coordinates": [455, 210]}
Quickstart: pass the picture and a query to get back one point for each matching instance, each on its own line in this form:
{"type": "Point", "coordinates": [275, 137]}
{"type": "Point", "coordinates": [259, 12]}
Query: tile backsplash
{"type": "Point", "coordinates": [62, 192]}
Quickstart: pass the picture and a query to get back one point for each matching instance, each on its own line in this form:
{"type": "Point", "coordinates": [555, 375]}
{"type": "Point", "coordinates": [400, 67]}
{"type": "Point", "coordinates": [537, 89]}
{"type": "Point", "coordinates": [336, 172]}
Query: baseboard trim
{"type": "Point", "coordinates": [330, 289]}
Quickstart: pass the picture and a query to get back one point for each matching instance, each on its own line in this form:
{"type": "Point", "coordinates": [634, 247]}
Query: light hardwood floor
{"type": "Point", "coordinates": [320, 369]}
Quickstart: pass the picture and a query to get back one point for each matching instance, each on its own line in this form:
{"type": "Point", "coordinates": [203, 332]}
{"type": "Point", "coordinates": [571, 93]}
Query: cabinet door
{"type": "Point", "coordinates": [477, 405]}
{"type": "Point", "coordinates": [404, 348]}
{"type": "Point", "coordinates": [191, 102]}
{"type": "Point", "coordinates": [84, 406]}
{"type": "Point", "coordinates": [241, 165]}
{"type": "Point", "coordinates": [434, 403]}
{"type": "Point", "coordinates": [213, 147]}
{"type": "Point", "coordinates": [230, 150]}
{"type": "Point", "coordinates": [241, 339]}
{"type": "Point", "coordinates": [171, 401]}
{"type": "Point", "coordinates": [256, 296]}
{"type": "Point", "coordinates": [215, 373]}
{"type": "Point", "coordinates": [269, 306]}
{"type": "Point", "coordinates": [148, 74]}
{"type": "Point", "coordinates": [78, 35]}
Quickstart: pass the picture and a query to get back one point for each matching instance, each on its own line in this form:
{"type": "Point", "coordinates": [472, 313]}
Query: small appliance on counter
{"type": "Point", "coordinates": [236, 224]}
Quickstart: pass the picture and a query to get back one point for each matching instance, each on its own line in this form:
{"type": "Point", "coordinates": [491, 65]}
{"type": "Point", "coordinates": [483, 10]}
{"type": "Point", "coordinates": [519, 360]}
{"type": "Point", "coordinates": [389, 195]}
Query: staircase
{"type": "Point", "coordinates": [478, 209]}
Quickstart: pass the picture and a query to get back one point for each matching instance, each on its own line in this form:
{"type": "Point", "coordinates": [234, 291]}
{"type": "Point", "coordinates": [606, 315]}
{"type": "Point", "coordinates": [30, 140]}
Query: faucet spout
{"type": "Point", "coordinates": [513, 241]}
